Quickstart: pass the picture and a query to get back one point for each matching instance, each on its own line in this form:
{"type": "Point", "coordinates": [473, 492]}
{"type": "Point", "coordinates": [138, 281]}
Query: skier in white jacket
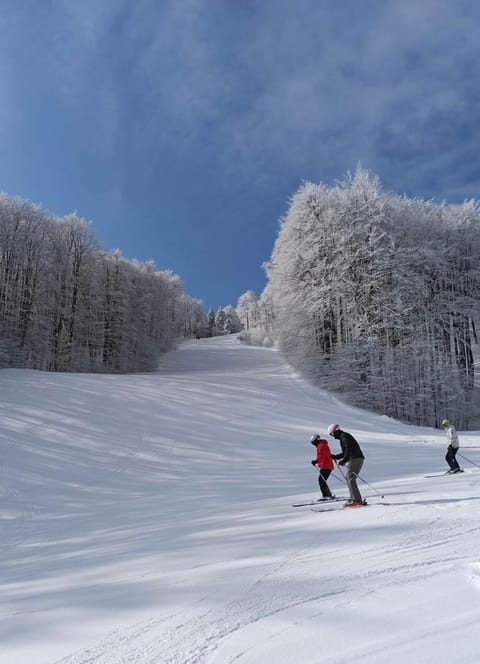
{"type": "Point", "coordinates": [452, 449]}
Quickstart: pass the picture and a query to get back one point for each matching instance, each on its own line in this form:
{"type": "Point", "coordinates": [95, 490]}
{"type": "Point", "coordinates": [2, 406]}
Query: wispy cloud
{"type": "Point", "coordinates": [309, 87]}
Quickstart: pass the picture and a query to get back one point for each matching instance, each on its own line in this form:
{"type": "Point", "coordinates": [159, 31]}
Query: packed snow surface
{"type": "Point", "coordinates": [148, 519]}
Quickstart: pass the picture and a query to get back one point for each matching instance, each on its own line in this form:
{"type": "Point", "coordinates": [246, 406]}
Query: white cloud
{"type": "Point", "coordinates": [302, 85]}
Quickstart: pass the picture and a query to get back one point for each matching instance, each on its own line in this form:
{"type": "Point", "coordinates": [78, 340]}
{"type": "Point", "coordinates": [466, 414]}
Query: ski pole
{"type": "Point", "coordinates": [372, 487]}
{"type": "Point", "coordinates": [469, 460]}
{"type": "Point", "coordinates": [339, 479]}
{"type": "Point", "coordinates": [331, 475]}
{"type": "Point", "coordinates": [341, 472]}
{"type": "Point", "coordinates": [364, 481]}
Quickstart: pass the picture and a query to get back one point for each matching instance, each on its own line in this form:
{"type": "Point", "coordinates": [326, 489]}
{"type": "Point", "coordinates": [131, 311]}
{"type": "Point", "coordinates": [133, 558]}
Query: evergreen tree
{"type": "Point", "coordinates": [211, 326]}
{"type": "Point", "coordinates": [232, 321]}
{"type": "Point", "coordinates": [220, 321]}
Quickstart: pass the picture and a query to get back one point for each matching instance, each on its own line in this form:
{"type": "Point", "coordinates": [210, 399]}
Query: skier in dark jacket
{"type": "Point", "coordinates": [352, 457]}
{"type": "Point", "coordinates": [324, 463]}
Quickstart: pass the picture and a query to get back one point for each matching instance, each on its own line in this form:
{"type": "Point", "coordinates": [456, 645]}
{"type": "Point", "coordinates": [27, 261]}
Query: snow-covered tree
{"type": "Point", "coordinates": [247, 310]}
{"type": "Point", "coordinates": [66, 305]}
{"type": "Point", "coordinates": [220, 321]}
{"type": "Point", "coordinates": [211, 324]}
{"type": "Point", "coordinates": [376, 296]}
{"type": "Point", "coordinates": [232, 321]}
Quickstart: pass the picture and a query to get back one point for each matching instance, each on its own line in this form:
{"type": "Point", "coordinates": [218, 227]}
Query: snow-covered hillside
{"type": "Point", "coordinates": [147, 519]}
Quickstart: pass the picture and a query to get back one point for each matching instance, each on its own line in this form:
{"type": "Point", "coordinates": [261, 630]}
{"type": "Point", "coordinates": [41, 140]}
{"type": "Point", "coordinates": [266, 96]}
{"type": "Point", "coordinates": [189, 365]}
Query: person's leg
{"type": "Point", "coordinates": [354, 468]}
{"type": "Point", "coordinates": [454, 458]}
{"type": "Point", "coordinates": [450, 458]}
{"type": "Point", "coordinates": [323, 476]}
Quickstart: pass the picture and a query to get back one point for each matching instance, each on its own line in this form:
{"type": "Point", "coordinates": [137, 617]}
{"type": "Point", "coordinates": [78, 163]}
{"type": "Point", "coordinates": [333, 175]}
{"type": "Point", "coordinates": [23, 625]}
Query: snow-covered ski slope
{"type": "Point", "coordinates": [147, 519]}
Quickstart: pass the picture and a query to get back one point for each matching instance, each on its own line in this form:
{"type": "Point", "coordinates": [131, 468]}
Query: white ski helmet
{"type": "Point", "coordinates": [332, 428]}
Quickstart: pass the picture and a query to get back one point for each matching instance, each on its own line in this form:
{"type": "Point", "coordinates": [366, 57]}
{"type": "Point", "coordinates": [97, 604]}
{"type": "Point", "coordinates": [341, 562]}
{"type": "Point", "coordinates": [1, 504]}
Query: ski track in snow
{"type": "Point", "coordinates": [190, 642]}
{"type": "Point", "coordinates": [224, 430]}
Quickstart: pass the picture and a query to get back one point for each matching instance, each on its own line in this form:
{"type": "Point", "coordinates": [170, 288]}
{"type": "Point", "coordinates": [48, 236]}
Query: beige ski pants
{"type": "Point", "coordinates": [354, 466]}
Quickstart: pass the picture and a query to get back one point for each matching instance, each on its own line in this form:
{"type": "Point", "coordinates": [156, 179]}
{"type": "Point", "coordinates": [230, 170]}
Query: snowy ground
{"type": "Point", "coordinates": [147, 519]}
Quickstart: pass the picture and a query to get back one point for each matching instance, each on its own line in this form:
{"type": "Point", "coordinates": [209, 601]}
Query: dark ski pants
{"type": "Point", "coordinates": [323, 476]}
{"type": "Point", "coordinates": [354, 466]}
{"type": "Point", "coordinates": [450, 457]}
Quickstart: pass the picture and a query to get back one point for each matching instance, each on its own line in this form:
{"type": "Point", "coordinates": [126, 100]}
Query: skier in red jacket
{"type": "Point", "coordinates": [324, 463]}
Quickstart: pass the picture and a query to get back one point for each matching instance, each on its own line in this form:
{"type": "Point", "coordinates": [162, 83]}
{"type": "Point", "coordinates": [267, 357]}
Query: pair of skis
{"type": "Point", "coordinates": [447, 474]}
{"type": "Point", "coordinates": [320, 501]}
{"type": "Point", "coordinates": [337, 507]}
{"type": "Point", "coordinates": [329, 504]}
{"type": "Point", "coordinates": [337, 504]}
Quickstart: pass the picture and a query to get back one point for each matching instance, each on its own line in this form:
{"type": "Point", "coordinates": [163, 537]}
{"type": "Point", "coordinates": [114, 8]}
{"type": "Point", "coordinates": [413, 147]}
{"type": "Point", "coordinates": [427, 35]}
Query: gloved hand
{"type": "Point", "coordinates": [342, 463]}
{"type": "Point", "coordinates": [313, 462]}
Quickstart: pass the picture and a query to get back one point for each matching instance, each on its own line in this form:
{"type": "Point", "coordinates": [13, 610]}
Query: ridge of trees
{"type": "Point", "coordinates": [68, 305]}
{"type": "Point", "coordinates": [376, 296]}
{"type": "Point", "coordinates": [224, 321]}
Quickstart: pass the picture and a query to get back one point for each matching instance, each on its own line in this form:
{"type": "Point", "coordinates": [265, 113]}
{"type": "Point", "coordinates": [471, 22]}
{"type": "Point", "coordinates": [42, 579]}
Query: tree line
{"type": "Point", "coordinates": [376, 296]}
{"type": "Point", "coordinates": [68, 305]}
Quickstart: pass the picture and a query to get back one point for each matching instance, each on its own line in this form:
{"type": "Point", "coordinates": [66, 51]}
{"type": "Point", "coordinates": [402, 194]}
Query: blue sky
{"type": "Point", "coordinates": [181, 128]}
